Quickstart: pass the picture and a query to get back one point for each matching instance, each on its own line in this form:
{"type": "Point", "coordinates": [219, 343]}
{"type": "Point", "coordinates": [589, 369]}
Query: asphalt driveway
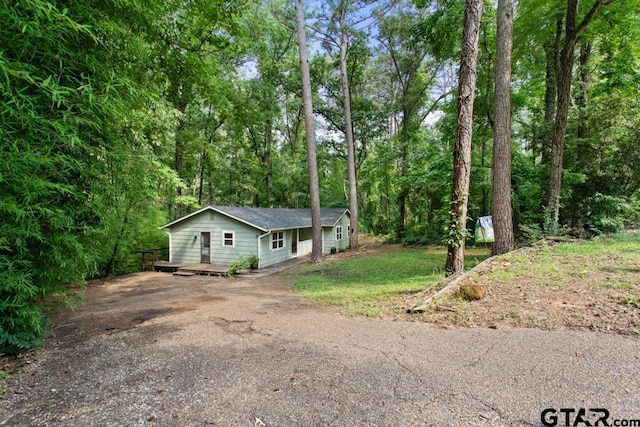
{"type": "Point", "coordinates": [159, 350]}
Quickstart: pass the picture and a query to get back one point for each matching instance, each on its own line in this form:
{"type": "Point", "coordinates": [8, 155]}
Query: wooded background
{"type": "Point", "coordinates": [119, 116]}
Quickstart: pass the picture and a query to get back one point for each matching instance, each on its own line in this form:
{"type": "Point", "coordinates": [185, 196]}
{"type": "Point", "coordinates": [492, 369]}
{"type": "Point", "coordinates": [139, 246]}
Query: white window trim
{"type": "Point", "coordinates": [233, 239]}
{"type": "Point", "coordinates": [284, 241]}
{"type": "Point", "coordinates": [339, 233]}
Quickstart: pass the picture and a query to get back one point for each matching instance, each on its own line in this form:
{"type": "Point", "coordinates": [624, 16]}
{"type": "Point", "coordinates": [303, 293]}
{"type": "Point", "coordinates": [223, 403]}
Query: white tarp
{"type": "Point", "coordinates": [484, 230]}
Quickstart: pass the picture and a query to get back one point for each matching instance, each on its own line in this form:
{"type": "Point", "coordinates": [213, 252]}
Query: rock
{"type": "Point", "coordinates": [472, 291]}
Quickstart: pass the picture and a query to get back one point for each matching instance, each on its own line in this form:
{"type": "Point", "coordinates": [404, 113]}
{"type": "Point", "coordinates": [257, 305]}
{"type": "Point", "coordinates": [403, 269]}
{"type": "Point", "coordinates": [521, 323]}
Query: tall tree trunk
{"type": "Point", "coordinates": [178, 167]}
{"type": "Point", "coordinates": [314, 190]}
{"type": "Point", "coordinates": [572, 32]}
{"type": "Point", "coordinates": [489, 87]}
{"type": "Point", "coordinates": [403, 193]}
{"type": "Point", "coordinates": [552, 57]}
{"type": "Point", "coordinates": [462, 150]}
{"type": "Point", "coordinates": [488, 63]}
{"type": "Point", "coordinates": [203, 166]}
{"type": "Point", "coordinates": [348, 128]}
{"type": "Point", "coordinates": [210, 190]}
{"type": "Point", "coordinates": [501, 209]}
{"type": "Point", "coordinates": [268, 132]}
{"type": "Point", "coordinates": [204, 158]}
{"type": "Point", "coordinates": [583, 96]}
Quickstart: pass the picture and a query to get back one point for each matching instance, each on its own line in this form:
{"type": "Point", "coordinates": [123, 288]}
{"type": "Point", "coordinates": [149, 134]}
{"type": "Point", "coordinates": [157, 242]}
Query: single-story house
{"type": "Point", "coordinates": [223, 234]}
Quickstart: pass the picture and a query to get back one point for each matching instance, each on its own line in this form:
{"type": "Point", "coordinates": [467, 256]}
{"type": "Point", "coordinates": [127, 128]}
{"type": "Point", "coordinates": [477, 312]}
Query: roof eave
{"type": "Point", "coordinates": [339, 218]}
{"type": "Point", "coordinates": [244, 221]}
{"type": "Point", "coordinates": [184, 218]}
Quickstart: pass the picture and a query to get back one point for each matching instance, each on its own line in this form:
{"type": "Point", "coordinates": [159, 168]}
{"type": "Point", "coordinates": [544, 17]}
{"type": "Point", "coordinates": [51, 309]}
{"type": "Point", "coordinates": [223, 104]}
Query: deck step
{"type": "Point", "coordinates": [184, 273]}
{"type": "Point", "coordinates": [202, 273]}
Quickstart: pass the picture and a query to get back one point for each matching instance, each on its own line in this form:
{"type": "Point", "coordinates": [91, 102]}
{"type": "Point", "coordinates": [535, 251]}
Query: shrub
{"type": "Point", "coordinates": [242, 262]}
{"type": "Point", "coordinates": [22, 319]}
{"type": "Point", "coordinates": [253, 262]}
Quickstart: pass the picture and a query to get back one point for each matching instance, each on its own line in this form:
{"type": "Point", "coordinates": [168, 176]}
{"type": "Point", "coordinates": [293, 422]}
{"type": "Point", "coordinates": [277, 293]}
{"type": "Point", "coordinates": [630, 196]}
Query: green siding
{"type": "Point", "coordinates": [270, 256]}
{"type": "Point", "coordinates": [245, 240]}
{"type": "Point", "coordinates": [186, 249]}
{"type": "Point", "coordinates": [330, 240]}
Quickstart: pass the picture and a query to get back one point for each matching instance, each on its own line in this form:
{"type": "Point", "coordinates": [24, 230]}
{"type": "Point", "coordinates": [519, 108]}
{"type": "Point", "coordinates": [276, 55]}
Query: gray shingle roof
{"type": "Point", "coordinates": [267, 219]}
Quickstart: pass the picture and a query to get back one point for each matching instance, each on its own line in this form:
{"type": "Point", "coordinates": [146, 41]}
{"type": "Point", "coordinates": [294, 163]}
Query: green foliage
{"type": "Point", "coordinates": [21, 318]}
{"type": "Point", "coordinates": [604, 261]}
{"type": "Point", "coordinates": [51, 112]}
{"type": "Point", "coordinates": [611, 214]}
{"type": "Point", "coordinates": [632, 301]}
{"type": "Point", "coordinates": [421, 236]}
{"type": "Point", "coordinates": [350, 285]}
{"type": "Point", "coordinates": [253, 262]}
{"type": "Point", "coordinates": [604, 149]}
{"type": "Point", "coordinates": [4, 376]}
{"type": "Point", "coordinates": [531, 232]}
{"type": "Point", "coordinates": [241, 263]}
{"type": "Point", "coordinates": [442, 27]}
{"type": "Point", "coordinates": [236, 266]}
{"type": "Point", "coordinates": [98, 100]}
{"type": "Point", "coordinates": [59, 98]}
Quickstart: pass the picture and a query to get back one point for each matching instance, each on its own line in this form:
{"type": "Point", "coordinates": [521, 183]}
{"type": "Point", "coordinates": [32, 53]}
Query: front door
{"type": "Point", "coordinates": [205, 247]}
{"type": "Point", "coordinates": [294, 243]}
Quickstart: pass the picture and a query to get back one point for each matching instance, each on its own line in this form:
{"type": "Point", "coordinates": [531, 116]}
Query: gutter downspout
{"type": "Point", "coordinates": [259, 239]}
{"type": "Point", "coordinates": [170, 246]}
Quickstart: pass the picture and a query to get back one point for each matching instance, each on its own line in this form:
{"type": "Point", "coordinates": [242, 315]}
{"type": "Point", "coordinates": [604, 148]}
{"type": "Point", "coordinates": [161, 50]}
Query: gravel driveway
{"type": "Point", "coordinates": [161, 350]}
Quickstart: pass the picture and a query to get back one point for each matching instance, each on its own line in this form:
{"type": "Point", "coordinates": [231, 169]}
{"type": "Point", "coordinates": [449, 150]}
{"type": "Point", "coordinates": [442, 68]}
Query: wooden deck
{"type": "Point", "coordinates": [151, 256]}
{"type": "Point", "coordinates": [185, 269]}
{"type": "Point", "coordinates": [166, 266]}
{"type": "Point", "coordinates": [204, 269]}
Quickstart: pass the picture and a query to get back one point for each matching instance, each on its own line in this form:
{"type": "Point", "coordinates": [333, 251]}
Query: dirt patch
{"type": "Point", "coordinates": [194, 303]}
{"type": "Point", "coordinates": [368, 245]}
{"type": "Point", "coordinates": [238, 327]}
{"type": "Point", "coordinates": [596, 293]}
{"type": "Point", "coordinates": [209, 351]}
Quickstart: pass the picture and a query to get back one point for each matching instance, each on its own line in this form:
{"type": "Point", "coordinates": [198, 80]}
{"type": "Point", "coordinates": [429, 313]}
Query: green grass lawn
{"type": "Point", "coordinates": [358, 285]}
{"type": "Point", "coordinates": [608, 261]}
{"type": "Point", "coordinates": [589, 285]}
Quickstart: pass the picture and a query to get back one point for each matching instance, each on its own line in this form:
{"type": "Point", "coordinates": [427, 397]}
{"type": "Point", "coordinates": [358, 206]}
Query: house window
{"type": "Point", "coordinates": [277, 240]}
{"type": "Point", "coordinates": [339, 233]}
{"type": "Point", "coordinates": [228, 238]}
